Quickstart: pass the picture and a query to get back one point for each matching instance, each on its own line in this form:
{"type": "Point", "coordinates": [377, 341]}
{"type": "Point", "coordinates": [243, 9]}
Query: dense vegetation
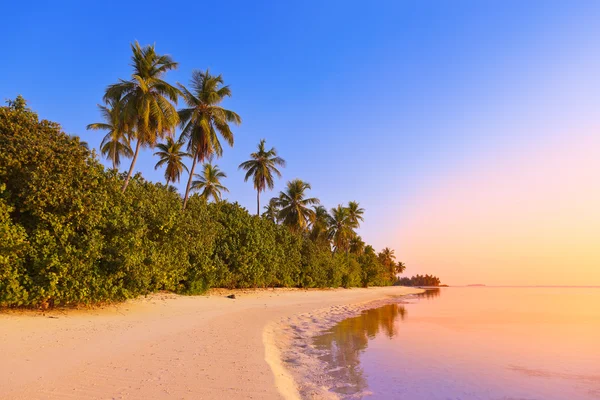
{"type": "Point", "coordinates": [75, 232]}
{"type": "Point", "coordinates": [419, 280]}
{"type": "Point", "coordinates": [70, 235]}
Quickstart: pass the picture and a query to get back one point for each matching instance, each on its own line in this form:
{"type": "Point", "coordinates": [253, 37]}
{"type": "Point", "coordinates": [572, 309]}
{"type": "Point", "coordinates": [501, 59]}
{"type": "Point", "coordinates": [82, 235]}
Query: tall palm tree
{"type": "Point", "coordinates": [357, 245]}
{"type": "Point", "coordinates": [210, 182]}
{"type": "Point", "coordinates": [340, 228]}
{"type": "Point", "coordinates": [261, 167]}
{"type": "Point", "coordinates": [204, 119]}
{"type": "Point", "coordinates": [387, 257]}
{"type": "Point", "coordinates": [170, 154]}
{"type": "Point", "coordinates": [116, 142]}
{"type": "Point", "coordinates": [400, 267]}
{"type": "Point", "coordinates": [146, 97]}
{"type": "Point", "coordinates": [319, 224]}
{"type": "Point", "coordinates": [295, 206]}
{"type": "Point", "coordinates": [272, 210]}
{"type": "Point", "coordinates": [369, 250]}
{"type": "Point", "coordinates": [355, 214]}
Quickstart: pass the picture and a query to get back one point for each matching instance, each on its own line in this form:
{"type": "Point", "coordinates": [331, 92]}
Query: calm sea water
{"type": "Point", "coordinates": [472, 343]}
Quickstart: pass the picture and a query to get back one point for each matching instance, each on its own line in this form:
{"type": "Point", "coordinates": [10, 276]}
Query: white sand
{"type": "Point", "coordinates": [170, 347]}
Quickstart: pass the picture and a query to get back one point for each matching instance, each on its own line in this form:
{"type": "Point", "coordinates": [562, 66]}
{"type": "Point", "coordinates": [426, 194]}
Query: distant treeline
{"type": "Point", "coordinates": [71, 235]}
{"type": "Point", "coordinates": [419, 280]}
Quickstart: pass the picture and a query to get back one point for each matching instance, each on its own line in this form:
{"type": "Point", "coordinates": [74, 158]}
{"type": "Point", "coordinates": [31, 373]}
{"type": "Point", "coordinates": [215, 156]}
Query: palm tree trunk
{"type": "Point", "coordinates": [167, 183]}
{"type": "Point", "coordinates": [114, 160]}
{"type": "Point", "coordinates": [189, 184]}
{"type": "Point", "coordinates": [258, 202]}
{"type": "Point", "coordinates": [137, 150]}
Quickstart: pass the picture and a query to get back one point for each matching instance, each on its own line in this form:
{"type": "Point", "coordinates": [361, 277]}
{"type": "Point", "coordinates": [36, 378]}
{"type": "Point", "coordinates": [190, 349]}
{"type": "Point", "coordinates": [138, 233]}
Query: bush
{"type": "Point", "coordinates": [13, 247]}
{"type": "Point", "coordinates": [69, 236]}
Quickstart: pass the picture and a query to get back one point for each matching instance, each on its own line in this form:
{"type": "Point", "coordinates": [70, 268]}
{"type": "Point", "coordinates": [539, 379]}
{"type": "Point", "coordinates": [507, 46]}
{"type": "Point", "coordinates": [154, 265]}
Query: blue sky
{"type": "Point", "coordinates": [377, 102]}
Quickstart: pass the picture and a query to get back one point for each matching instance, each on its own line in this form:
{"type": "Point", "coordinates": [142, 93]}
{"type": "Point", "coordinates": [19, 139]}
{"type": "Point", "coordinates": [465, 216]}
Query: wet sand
{"type": "Point", "coordinates": [169, 347]}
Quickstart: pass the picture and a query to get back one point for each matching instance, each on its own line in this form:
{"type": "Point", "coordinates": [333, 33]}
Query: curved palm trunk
{"type": "Point", "coordinates": [189, 184]}
{"type": "Point", "coordinates": [137, 150]}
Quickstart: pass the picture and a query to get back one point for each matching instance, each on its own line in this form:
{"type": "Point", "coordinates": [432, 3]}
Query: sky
{"type": "Point", "coordinates": [468, 130]}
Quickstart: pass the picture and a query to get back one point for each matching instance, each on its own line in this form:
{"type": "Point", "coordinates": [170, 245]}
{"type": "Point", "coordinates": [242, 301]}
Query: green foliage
{"type": "Point", "coordinates": [261, 167]}
{"type": "Point", "coordinates": [419, 280]}
{"type": "Point", "coordinates": [12, 249]}
{"type": "Point", "coordinates": [71, 236]}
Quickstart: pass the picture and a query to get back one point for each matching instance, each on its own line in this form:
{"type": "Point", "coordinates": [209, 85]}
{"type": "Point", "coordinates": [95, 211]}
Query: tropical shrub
{"type": "Point", "coordinates": [12, 249]}
{"type": "Point", "coordinates": [70, 235]}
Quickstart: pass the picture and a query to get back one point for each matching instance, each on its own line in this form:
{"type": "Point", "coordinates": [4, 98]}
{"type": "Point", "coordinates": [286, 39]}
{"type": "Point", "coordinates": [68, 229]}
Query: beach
{"type": "Point", "coordinates": [166, 346]}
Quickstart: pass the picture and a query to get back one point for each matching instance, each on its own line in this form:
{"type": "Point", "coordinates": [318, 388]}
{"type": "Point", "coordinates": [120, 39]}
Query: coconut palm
{"type": "Point", "coordinates": [210, 182]}
{"type": "Point", "coordinates": [340, 228]}
{"type": "Point", "coordinates": [116, 142]}
{"type": "Point", "coordinates": [319, 224]}
{"type": "Point", "coordinates": [355, 214]}
{"type": "Point", "coordinates": [386, 258]}
{"type": "Point", "coordinates": [146, 97]}
{"type": "Point", "coordinates": [272, 210]}
{"type": "Point", "coordinates": [204, 120]}
{"type": "Point", "coordinates": [170, 154]}
{"type": "Point", "coordinates": [400, 267]}
{"type": "Point", "coordinates": [261, 167]}
{"type": "Point", "coordinates": [357, 245]}
{"type": "Point", "coordinates": [295, 206]}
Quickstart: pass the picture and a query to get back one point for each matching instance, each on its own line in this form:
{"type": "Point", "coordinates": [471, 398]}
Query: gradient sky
{"type": "Point", "coordinates": [468, 130]}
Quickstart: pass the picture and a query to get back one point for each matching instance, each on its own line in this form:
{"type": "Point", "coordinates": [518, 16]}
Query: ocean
{"type": "Point", "coordinates": [459, 343]}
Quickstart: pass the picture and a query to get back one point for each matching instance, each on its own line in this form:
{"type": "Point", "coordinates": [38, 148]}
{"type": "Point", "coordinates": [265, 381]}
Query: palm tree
{"type": "Point", "coordinates": [355, 214]}
{"type": "Point", "coordinates": [210, 182]}
{"type": "Point", "coordinates": [387, 257]}
{"type": "Point", "coordinates": [357, 245]}
{"type": "Point", "coordinates": [400, 267]}
{"type": "Point", "coordinates": [369, 250]}
{"type": "Point", "coordinates": [261, 167]}
{"type": "Point", "coordinates": [116, 142]}
{"type": "Point", "coordinates": [272, 209]}
{"type": "Point", "coordinates": [204, 118]}
{"type": "Point", "coordinates": [295, 211]}
{"type": "Point", "coordinates": [147, 110]}
{"type": "Point", "coordinates": [340, 228]}
{"type": "Point", "coordinates": [170, 154]}
{"type": "Point", "coordinates": [319, 224]}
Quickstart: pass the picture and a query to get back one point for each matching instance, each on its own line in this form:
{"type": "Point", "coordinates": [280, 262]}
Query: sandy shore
{"type": "Point", "coordinates": [169, 347]}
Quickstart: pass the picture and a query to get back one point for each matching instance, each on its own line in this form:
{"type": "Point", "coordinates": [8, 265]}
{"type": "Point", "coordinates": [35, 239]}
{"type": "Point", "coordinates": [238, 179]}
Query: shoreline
{"type": "Point", "coordinates": [164, 346]}
{"type": "Point", "coordinates": [300, 371]}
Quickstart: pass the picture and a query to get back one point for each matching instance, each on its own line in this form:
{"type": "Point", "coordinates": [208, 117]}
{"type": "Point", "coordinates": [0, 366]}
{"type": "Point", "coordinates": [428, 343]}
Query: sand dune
{"type": "Point", "coordinates": [163, 346]}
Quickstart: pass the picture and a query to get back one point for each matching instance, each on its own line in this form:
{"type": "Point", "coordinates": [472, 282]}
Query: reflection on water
{"type": "Point", "coordinates": [429, 293]}
{"type": "Point", "coordinates": [470, 344]}
{"type": "Point", "coordinates": [345, 341]}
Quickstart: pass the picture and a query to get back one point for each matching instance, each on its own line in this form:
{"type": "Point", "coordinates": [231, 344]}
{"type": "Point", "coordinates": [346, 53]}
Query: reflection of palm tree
{"type": "Point", "coordinates": [348, 339]}
{"type": "Point", "coordinates": [430, 293]}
